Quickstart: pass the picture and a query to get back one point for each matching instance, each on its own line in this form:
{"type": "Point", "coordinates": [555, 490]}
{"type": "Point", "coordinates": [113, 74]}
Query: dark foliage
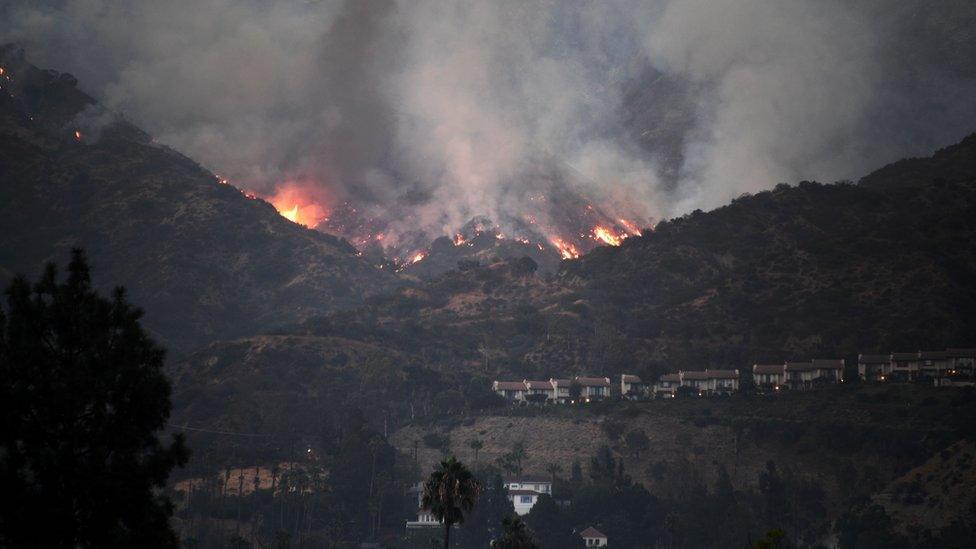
{"type": "Point", "coordinates": [82, 399]}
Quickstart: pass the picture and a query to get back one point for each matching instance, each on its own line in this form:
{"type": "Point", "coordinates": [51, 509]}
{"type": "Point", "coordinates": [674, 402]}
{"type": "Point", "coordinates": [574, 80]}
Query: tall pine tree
{"type": "Point", "coordinates": [82, 399]}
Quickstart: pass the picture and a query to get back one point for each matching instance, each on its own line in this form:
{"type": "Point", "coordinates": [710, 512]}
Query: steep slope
{"type": "Point", "coordinates": [205, 261]}
{"type": "Point", "coordinates": [797, 272]}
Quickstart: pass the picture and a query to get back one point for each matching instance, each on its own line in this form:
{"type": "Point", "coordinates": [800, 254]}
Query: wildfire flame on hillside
{"type": "Point", "coordinates": [297, 203]}
{"type": "Point", "coordinates": [566, 249]}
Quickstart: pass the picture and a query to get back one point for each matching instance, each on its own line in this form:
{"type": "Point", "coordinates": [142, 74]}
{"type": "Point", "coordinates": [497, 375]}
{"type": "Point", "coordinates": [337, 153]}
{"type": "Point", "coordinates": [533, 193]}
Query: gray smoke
{"type": "Point", "coordinates": [449, 105]}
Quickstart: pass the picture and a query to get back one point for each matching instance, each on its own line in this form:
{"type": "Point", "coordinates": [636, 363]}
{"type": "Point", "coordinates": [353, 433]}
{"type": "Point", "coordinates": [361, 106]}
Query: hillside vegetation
{"type": "Point", "coordinates": [205, 261]}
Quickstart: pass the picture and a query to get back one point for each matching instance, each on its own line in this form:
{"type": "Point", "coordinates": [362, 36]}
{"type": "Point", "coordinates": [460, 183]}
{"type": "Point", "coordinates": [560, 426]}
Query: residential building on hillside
{"type": "Point", "coordinates": [513, 391]}
{"type": "Point", "coordinates": [933, 364]}
{"type": "Point", "coordinates": [804, 375]}
{"type": "Point", "coordinates": [594, 387]}
{"type": "Point", "coordinates": [769, 376]}
{"type": "Point", "coordinates": [524, 492]}
{"type": "Point", "coordinates": [873, 367]}
{"type": "Point", "coordinates": [562, 389]}
{"type": "Point", "coordinates": [538, 484]}
{"type": "Point", "coordinates": [905, 366]}
{"type": "Point", "coordinates": [963, 361]}
{"type": "Point", "coordinates": [632, 387]}
{"type": "Point", "coordinates": [667, 385]}
{"type": "Point", "coordinates": [707, 382]}
{"type": "Point", "coordinates": [425, 519]}
{"type": "Point", "coordinates": [593, 537]}
{"type": "Point", "coordinates": [544, 389]}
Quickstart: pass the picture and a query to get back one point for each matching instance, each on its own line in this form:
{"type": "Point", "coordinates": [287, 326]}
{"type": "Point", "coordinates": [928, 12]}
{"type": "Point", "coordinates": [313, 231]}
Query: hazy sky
{"type": "Point", "coordinates": [449, 104]}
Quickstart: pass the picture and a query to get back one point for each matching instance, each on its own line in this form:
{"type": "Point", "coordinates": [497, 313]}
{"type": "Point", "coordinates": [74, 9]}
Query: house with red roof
{"type": "Point", "coordinates": [593, 537]}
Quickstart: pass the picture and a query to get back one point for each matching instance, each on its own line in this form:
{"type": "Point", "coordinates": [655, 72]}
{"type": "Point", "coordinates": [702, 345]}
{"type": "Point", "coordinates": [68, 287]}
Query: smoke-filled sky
{"type": "Point", "coordinates": [448, 105]}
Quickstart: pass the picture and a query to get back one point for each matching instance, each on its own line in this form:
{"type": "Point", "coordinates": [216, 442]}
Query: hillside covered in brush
{"type": "Point", "coordinates": [791, 273]}
{"type": "Point", "coordinates": [205, 261]}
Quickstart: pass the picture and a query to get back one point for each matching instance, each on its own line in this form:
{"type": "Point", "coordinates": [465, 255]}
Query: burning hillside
{"type": "Point", "coordinates": [548, 221]}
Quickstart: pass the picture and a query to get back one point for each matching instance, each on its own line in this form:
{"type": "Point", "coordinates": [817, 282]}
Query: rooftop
{"type": "Point", "coordinates": [510, 385]}
{"type": "Point", "coordinates": [627, 378]}
{"type": "Point", "coordinates": [767, 369]}
{"type": "Point", "coordinates": [593, 381]}
{"type": "Point", "coordinates": [592, 532]}
{"type": "Point", "coordinates": [829, 363]}
{"type": "Point", "coordinates": [873, 359]}
{"type": "Point", "coordinates": [961, 353]}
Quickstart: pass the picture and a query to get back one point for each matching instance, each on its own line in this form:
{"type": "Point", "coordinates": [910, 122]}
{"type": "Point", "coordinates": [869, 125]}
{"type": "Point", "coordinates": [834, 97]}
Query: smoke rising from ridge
{"type": "Point", "coordinates": [455, 109]}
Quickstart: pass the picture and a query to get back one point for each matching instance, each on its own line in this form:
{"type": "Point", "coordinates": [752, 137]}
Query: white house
{"type": "Point", "coordinates": [904, 366]}
{"type": "Point", "coordinates": [594, 387]}
{"type": "Point", "coordinates": [873, 367]}
{"type": "Point", "coordinates": [525, 492]}
{"type": "Point", "coordinates": [538, 484]}
{"type": "Point", "coordinates": [544, 388]}
{"type": "Point", "coordinates": [667, 385]}
{"type": "Point", "coordinates": [513, 391]}
{"type": "Point", "coordinates": [523, 500]}
{"type": "Point", "coordinates": [593, 537]}
{"type": "Point", "coordinates": [962, 361]}
{"type": "Point", "coordinates": [561, 386]}
{"type": "Point", "coordinates": [803, 375]}
{"type": "Point", "coordinates": [710, 382]}
{"type": "Point", "coordinates": [769, 376]}
{"type": "Point", "coordinates": [425, 519]}
{"type": "Point", "coordinates": [933, 364]}
{"type": "Point", "coordinates": [632, 387]}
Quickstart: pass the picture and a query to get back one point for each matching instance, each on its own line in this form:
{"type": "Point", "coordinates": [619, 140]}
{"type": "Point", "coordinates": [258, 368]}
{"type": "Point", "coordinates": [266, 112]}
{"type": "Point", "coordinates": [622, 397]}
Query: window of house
{"type": "Point", "coordinates": [526, 499]}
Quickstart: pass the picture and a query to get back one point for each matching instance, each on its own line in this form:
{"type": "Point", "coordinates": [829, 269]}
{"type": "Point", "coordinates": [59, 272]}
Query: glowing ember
{"type": "Point", "coordinates": [607, 236]}
{"type": "Point", "coordinates": [77, 135]}
{"type": "Point", "coordinates": [458, 239]}
{"type": "Point", "coordinates": [499, 236]}
{"type": "Point", "coordinates": [566, 250]}
{"type": "Point", "coordinates": [419, 256]}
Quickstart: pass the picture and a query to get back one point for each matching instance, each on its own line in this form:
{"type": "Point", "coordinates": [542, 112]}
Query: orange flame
{"type": "Point", "coordinates": [567, 250]}
{"type": "Point", "coordinates": [607, 236]}
{"type": "Point", "coordinates": [297, 203]}
{"type": "Point", "coordinates": [419, 256]}
{"type": "Point", "coordinates": [290, 215]}
{"type": "Point", "coordinates": [630, 227]}
{"type": "Point", "coordinates": [458, 239]}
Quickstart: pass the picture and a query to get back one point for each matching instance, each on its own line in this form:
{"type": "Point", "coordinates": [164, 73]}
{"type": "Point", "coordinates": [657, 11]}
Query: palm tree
{"type": "Point", "coordinates": [518, 454]}
{"type": "Point", "coordinates": [449, 493]}
{"type": "Point", "coordinates": [476, 445]}
{"type": "Point", "coordinates": [554, 469]}
{"type": "Point", "coordinates": [516, 535]}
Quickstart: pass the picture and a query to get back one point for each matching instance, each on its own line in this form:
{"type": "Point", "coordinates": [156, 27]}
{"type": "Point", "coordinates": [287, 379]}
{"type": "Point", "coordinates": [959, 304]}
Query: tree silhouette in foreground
{"type": "Point", "coordinates": [515, 535]}
{"type": "Point", "coordinates": [82, 397]}
{"type": "Point", "coordinates": [449, 493]}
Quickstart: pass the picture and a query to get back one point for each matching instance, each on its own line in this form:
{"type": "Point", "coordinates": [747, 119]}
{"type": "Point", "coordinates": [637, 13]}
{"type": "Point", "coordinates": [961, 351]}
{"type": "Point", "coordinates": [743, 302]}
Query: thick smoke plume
{"type": "Point", "coordinates": [450, 110]}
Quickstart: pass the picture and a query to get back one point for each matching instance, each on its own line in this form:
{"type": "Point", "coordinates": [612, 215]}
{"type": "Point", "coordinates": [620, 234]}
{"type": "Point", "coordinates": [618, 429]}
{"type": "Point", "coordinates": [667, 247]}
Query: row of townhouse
{"type": "Point", "coordinates": [798, 375]}
{"type": "Point", "coordinates": [952, 366]}
{"type": "Point", "coordinates": [704, 383]}
{"type": "Point", "coordinates": [553, 390]}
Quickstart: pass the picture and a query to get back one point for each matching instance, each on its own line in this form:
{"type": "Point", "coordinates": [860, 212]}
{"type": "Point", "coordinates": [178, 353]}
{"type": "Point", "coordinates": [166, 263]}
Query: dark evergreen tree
{"type": "Point", "coordinates": [515, 535]}
{"type": "Point", "coordinates": [82, 400]}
